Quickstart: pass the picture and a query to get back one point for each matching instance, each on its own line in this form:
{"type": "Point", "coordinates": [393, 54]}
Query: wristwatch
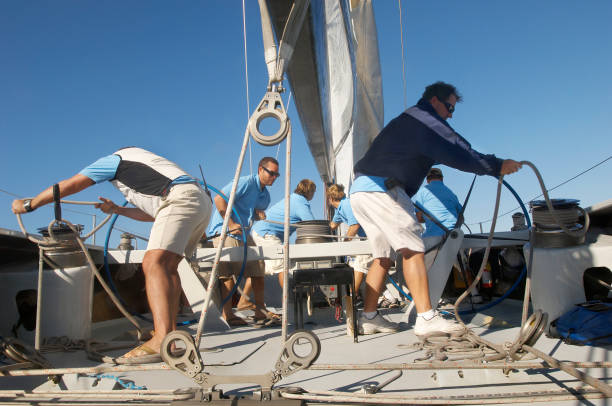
{"type": "Point", "coordinates": [27, 205]}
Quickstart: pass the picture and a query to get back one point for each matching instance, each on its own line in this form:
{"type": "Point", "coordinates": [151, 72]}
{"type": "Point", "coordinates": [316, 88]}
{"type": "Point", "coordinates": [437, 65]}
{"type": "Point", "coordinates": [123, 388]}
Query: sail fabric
{"type": "Point", "coordinates": [336, 81]}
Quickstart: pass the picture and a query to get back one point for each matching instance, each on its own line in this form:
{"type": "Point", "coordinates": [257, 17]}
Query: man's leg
{"type": "Point", "coordinates": [163, 288]}
{"type": "Point", "coordinates": [415, 275]}
{"type": "Point", "coordinates": [245, 297]}
{"type": "Point", "coordinates": [358, 276]}
{"type": "Point", "coordinates": [375, 282]}
{"type": "Point", "coordinates": [258, 291]}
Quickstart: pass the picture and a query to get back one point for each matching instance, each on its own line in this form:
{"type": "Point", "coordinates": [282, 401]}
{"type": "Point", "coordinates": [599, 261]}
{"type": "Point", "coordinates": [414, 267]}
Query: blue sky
{"type": "Point", "coordinates": [82, 78]}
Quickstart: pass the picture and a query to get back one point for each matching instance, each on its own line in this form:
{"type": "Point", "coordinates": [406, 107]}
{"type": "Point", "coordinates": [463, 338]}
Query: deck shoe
{"type": "Point", "coordinates": [376, 325]}
{"type": "Point", "coordinates": [437, 324]}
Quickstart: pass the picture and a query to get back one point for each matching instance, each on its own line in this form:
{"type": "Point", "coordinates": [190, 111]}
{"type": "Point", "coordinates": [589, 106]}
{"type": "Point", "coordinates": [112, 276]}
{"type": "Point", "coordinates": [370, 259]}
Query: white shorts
{"type": "Point", "coordinates": [273, 266]}
{"type": "Point", "coordinates": [181, 220]}
{"type": "Point", "coordinates": [360, 263]}
{"type": "Point", "coordinates": [389, 221]}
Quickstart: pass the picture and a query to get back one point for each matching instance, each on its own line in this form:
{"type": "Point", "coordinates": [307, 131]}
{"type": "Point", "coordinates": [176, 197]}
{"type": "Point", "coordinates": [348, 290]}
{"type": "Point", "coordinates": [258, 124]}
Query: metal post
{"type": "Point", "coordinates": [286, 242]}
{"type": "Point", "coordinates": [39, 299]}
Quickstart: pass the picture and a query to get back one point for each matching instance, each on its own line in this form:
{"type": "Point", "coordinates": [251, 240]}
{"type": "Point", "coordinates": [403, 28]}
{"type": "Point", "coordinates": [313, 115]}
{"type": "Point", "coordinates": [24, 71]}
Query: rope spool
{"type": "Point", "coordinates": [549, 226]}
{"type": "Point", "coordinates": [313, 231]}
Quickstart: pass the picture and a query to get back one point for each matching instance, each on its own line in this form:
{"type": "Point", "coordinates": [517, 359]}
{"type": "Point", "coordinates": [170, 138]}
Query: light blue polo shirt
{"type": "Point", "coordinates": [344, 214]}
{"type": "Point", "coordinates": [299, 210]}
{"type": "Point", "coordinates": [249, 196]}
{"type": "Point", "coordinates": [366, 183]}
{"type": "Point", "coordinates": [105, 169]}
{"type": "Point", "coordinates": [439, 201]}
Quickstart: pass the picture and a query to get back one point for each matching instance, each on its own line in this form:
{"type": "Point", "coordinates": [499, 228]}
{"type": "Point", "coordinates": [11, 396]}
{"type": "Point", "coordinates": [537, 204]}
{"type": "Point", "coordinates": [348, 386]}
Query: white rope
{"type": "Point", "coordinates": [399, 3]}
{"type": "Point", "coordinates": [246, 77]}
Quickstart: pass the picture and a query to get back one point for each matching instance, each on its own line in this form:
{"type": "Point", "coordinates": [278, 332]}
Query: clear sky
{"type": "Point", "coordinates": [80, 79]}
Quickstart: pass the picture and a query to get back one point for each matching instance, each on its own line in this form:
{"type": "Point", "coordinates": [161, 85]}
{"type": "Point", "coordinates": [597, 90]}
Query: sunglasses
{"type": "Point", "coordinates": [271, 173]}
{"type": "Point", "coordinates": [449, 107]}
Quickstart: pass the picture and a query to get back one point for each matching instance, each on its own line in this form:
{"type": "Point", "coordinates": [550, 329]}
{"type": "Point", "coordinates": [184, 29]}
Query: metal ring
{"type": "Point", "coordinates": [271, 106]}
{"type": "Point", "coordinates": [290, 361]}
{"type": "Point", "coordinates": [188, 362]}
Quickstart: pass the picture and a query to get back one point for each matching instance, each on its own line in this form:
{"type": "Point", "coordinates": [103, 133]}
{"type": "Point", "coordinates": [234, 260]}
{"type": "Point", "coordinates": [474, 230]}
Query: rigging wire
{"type": "Point", "coordinates": [246, 77]}
{"type": "Point", "coordinates": [399, 3]}
{"type": "Point", "coordinates": [548, 190]}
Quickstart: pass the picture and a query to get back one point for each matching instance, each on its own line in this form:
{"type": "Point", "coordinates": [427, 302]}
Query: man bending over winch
{"type": "Point", "coordinates": [389, 174]}
{"type": "Point", "coordinates": [162, 193]}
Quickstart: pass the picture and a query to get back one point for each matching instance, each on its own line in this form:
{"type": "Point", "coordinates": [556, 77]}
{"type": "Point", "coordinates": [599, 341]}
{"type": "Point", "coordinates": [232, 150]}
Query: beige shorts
{"type": "Point", "coordinates": [360, 263]}
{"type": "Point", "coordinates": [389, 221]}
{"type": "Point", "coordinates": [227, 269]}
{"type": "Point", "coordinates": [181, 220]}
{"type": "Point", "coordinates": [273, 266]}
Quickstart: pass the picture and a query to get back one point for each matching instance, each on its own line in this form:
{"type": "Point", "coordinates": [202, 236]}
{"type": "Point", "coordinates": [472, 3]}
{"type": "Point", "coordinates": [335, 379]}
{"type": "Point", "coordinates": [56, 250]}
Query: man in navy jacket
{"type": "Point", "coordinates": [389, 174]}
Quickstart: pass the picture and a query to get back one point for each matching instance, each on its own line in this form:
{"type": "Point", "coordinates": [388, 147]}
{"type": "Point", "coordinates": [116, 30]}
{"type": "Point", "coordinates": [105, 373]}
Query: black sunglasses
{"type": "Point", "coordinates": [449, 107]}
{"type": "Point", "coordinates": [271, 173]}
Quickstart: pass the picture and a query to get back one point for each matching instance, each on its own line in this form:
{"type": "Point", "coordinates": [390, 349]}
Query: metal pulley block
{"type": "Point", "coordinates": [271, 106]}
{"type": "Point", "coordinates": [190, 362]}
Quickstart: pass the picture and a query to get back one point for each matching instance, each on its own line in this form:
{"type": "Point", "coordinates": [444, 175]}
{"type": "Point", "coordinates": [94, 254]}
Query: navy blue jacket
{"type": "Point", "coordinates": [416, 140]}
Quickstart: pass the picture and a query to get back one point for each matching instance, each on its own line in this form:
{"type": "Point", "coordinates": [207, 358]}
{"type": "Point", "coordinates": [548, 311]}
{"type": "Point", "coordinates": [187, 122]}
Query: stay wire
{"type": "Point", "coordinates": [246, 78]}
{"type": "Point", "coordinates": [399, 3]}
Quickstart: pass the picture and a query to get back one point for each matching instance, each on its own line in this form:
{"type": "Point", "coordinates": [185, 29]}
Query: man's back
{"type": "Point", "coordinates": [439, 201]}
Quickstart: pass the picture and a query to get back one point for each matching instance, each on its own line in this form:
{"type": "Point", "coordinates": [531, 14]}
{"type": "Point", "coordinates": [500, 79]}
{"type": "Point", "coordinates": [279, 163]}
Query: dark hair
{"type": "Point", "coordinates": [305, 187]}
{"type": "Point", "coordinates": [267, 159]}
{"type": "Point", "coordinates": [442, 91]}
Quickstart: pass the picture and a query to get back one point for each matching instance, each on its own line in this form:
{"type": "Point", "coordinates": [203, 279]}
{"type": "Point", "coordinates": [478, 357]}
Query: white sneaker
{"type": "Point", "coordinates": [437, 324]}
{"type": "Point", "coordinates": [376, 325]}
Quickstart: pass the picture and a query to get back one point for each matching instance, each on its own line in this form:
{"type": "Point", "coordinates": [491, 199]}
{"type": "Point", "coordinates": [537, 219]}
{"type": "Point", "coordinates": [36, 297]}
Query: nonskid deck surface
{"type": "Point", "coordinates": [250, 351]}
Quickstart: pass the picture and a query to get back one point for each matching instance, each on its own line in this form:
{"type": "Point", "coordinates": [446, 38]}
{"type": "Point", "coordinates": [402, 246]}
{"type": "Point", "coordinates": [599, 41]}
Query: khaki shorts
{"type": "Point", "coordinates": [273, 266]}
{"type": "Point", "coordinates": [388, 220]}
{"type": "Point", "coordinates": [360, 263]}
{"type": "Point", "coordinates": [181, 220]}
{"type": "Point", "coordinates": [227, 269]}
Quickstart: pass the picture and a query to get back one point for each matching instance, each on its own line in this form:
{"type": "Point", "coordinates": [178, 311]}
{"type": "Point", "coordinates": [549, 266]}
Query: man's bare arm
{"type": "Point", "coordinates": [109, 207]}
{"type": "Point", "coordinates": [221, 205]}
{"type": "Point", "coordinates": [352, 230]}
{"type": "Point", "coordinates": [67, 187]}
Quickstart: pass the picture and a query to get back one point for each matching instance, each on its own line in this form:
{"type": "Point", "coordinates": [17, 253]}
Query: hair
{"type": "Point", "coordinates": [442, 91]}
{"type": "Point", "coordinates": [435, 176]}
{"type": "Point", "coordinates": [267, 159]}
{"type": "Point", "coordinates": [336, 192]}
{"type": "Point", "coordinates": [305, 188]}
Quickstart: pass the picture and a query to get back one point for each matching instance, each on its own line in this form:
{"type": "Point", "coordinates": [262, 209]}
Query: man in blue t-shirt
{"type": "Point", "coordinates": [251, 199]}
{"type": "Point", "coordinates": [438, 201]}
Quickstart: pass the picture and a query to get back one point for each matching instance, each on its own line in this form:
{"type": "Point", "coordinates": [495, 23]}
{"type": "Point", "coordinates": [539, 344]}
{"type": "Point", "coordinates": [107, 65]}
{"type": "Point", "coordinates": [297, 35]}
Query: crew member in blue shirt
{"type": "Point", "coordinates": [388, 175]}
{"type": "Point", "coordinates": [440, 202]}
{"type": "Point", "coordinates": [344, 214]}
{"type": "Point", "coordinates": [266, 233]}
{"type": "Point", "coordinates": [251, 199]}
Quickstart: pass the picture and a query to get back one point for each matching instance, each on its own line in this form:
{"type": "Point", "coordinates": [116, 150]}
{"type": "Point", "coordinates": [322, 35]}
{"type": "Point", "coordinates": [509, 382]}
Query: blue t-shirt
{"type": "Point", "coordinates": [299, 210]}
{"type": "Point", "coordinates": [442, 203]}
{"type": "Point", "coordinates": [105, 169]}
{"type": "Point", "coordinates": [249, 196]}
{"type": "Point", "coordinates": [367, 183]}
{"type": "Point", "coordinates": [344, 214]}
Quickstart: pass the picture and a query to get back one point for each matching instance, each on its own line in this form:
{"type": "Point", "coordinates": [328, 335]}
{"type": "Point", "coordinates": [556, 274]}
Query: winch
{"type": "Point", "coordinates": [549, 234]}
